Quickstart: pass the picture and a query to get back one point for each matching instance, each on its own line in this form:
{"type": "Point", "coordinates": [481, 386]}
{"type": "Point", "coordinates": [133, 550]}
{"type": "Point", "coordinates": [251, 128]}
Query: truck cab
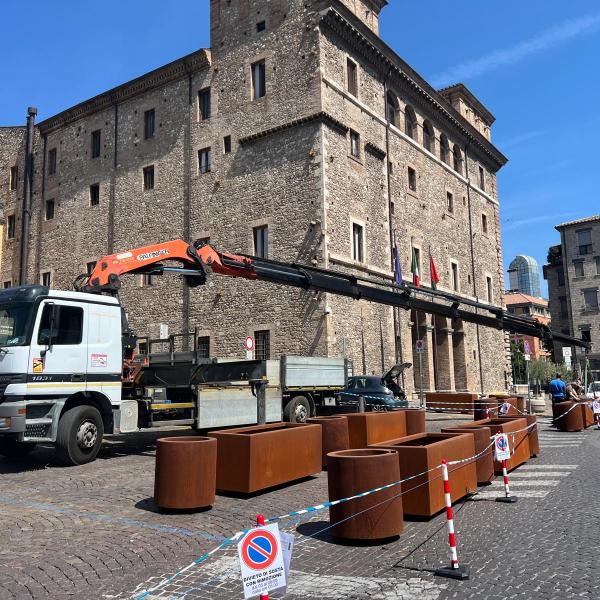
{"type": "Point", "coordinates": [60, 370]}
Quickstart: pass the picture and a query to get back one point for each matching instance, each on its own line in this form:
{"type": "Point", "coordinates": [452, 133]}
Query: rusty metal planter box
{"type": "Point", "coordinates": [334, 434]}
{"type": "Point", "coordinates": [424, 495]}
{"type": "Point", "coordinates": [532, 433]}
{"type": "Point", "coordinates": [185, 472]}
{"type": "Point", "coordinates": [588, 414]}
{"type": "Point", "coordinates": [369, 428]}
{"type": "Point", "coordinates": [461, 402]}
{"type": "Point", "coordinates": [573, 421]}
{"type": "Point", "coordinates": [415, 420]}
{"type": "Point", "coordinates": [254, 458]}
{"type": "Point", "coordinates": [379, 515]}
{"type": "Point", "coordinates": [484, 465]}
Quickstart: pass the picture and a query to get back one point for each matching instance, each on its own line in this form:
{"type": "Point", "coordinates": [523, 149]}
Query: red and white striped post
{"type": "Point", "coordinates": [454, 571]}
{"type": "Point", "coordinates": [260, 521]}
{"type": "Point", "coordinates": [507, 498]}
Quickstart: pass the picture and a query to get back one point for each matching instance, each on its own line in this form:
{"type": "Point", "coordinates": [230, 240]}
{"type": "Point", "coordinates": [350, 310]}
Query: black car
{"type": "Point", "coordinates": [380, 393]}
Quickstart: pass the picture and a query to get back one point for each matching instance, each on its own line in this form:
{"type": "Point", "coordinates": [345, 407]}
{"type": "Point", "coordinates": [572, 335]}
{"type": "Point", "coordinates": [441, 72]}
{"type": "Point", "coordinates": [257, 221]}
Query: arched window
{"type": "Point", "coordinates": [428, 136]}
{"type": "Point", "coordinates": [410, 122]}
{"type": "Point", "coordinates": [458, 159]}
{"type": "Point", "coordinates": [391, 109]}
{"type": "Point", "coordinates": [444, 148]}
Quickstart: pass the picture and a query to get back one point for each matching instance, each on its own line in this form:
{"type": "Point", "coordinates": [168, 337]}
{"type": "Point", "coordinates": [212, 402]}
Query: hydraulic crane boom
{"type": "Point", "coordinates": [198, 260]}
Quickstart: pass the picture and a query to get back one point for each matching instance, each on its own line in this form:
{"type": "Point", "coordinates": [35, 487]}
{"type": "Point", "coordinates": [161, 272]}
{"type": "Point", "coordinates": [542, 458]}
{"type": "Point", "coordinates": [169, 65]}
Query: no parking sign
{"type": "Point", "coordinates": [501, 447]}
{"type": "Point", "coordinates": [261, 561]}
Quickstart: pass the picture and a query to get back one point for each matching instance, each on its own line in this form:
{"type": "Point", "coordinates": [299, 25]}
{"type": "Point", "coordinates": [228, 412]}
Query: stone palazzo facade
{"type": "Point", "coordinates": [299, 135]}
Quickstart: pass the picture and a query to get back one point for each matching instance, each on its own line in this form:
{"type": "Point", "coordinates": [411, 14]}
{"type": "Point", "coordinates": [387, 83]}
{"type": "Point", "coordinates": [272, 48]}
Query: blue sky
{"type": "Point", "coordinates": [534, 64]}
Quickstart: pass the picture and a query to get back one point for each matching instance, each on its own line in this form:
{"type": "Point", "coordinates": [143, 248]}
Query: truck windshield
{"type": "Point", "coordinates": [14, 323]}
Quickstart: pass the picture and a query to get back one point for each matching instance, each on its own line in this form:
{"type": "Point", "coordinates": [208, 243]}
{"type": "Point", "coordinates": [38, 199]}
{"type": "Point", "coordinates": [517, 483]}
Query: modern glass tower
{"type": "Point", "coordinates": [524, 275]}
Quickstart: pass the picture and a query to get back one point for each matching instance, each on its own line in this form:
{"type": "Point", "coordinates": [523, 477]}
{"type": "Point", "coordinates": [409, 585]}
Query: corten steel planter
{"type": "Point", "coordinates": [424, 495]}
{"type": "Point", "coordinates": [334, 434]}
{"type": "Point", "coordinates": [369, 428]}
{"type": "Point", "coordinates": [485, 408]}
{"type": "Point", "coordinates": [484, 465]}
{"type": "Point", "coordinates": [573, 421]}
{"type": "Point", "coordinates": [588, 414]}
{"type": "Point", "coordinates": [351, 472]}
{"type": "Point", "coordinates": [254, 458]}
{"type": "Point", "coordinates": [532, 433]}
{"type": "Point", "coordinates": [185, 472]}
{"type": "Point", "coordinates": [517, 403]}
{"type": "Point", "coordinates": [415, 420]}
{"type": "Point", "coordinates": [460, 402]}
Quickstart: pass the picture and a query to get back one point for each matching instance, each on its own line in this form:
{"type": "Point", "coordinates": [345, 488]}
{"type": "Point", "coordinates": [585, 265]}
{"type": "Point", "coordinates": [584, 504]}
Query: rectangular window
{"type": "Point", "coordinates": [149, 177]}
{"type": "Point", "coordinates": [579, 269]}
{"type": "Point", "coordinates": [14, 178]}
{"type": "Point", "coordinates": [586, 335]}
{"type": "Point", "coordinates": [204, 157]}
{"type": "Point", "coordinates": [354, 144]}
{"type": "Point", "coordinates": [597, 265]}
{"type": "Point", "coordinates": [454, 276]}
{"type": "Point", "coordinates": [261, 26]}
{"type": "Point", "coordinates": [204, 346]}
{"type": "Point", "coordinates": [149, 123]}
{"type": "Point", "coordinates": [10, 227]}
{"type": "Point", "coordinates": [89, 267]}
{"type": "Point", "coordinates": [49, 210]}
{"type": "Point", "coordinates": [412, 179]}
{"type": "Point", "coordinates": [68, 328]}
{"type": "Point", "coordinates": [259, 80]}
{"type": "Point", "coordinates": [560, 276]}
{"type": "Point", "coordinates": [52, 161]}
{"type": "Point", "coordinates": [352, 70]}
{"type": "Point", "coordinates": [46, 278]}
{"type": "Point", "coordinates": [204, 103]}
{"type": "Point", "coordinates": [227, 144]}
{"type": "Point", "coordinates": [591, 299]}
{"type": "Point", "coordinates": [261, 241]}
{"type": "Point", "coordinates": [490, 289]}
{"type": "Point", "coordinates": [262, 340]}
{"type": "Point", "coordinates": [481, 178]}
{"type": "Point", "coordinates": [584, 241]}
{"type": "Point", "coordinates": [96, 138]}
{"type": "Point", "coordinates": [7, 284]}
{"type": "Point", "coordinates": [146, 280]}
{"type": "Point", "coordinates": [449, 202]}
{"type": "Point", "coordinates": [484, 223]}
{"type": "Point", "coordinates": [564, 308]}
{"type": "Point", "coordinates": [94, 194]}
{"type": "Point", "coordinates": [358, 241]}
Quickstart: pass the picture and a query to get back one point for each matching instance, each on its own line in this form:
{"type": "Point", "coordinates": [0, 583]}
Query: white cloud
{"type": "Point", "coordinates": [554, 36]}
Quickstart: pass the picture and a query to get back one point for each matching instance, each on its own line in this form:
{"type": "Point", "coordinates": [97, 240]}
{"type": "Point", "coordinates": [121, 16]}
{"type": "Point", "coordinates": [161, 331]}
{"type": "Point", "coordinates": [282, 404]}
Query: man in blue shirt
{"type": "Point", "coordinates": [558, 389]}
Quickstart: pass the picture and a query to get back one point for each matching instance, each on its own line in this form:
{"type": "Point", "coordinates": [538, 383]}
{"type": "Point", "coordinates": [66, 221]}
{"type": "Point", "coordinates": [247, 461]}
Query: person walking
{"type": "Point", "coordinates": [558, 389]}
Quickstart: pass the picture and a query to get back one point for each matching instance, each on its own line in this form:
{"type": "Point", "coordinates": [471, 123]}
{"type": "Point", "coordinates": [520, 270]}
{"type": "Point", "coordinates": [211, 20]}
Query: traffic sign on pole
{"type": "Point", "coordinates": [249, 346]}
{"type": "Point", "coordinates": [261, 561]}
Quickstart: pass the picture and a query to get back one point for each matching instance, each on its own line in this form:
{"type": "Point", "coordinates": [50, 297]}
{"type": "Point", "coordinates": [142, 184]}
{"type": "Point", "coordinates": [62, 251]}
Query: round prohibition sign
{"type": "Point", "coordinates": [259, 549]}
{"type": "Point", "coordinates": [501, 443]}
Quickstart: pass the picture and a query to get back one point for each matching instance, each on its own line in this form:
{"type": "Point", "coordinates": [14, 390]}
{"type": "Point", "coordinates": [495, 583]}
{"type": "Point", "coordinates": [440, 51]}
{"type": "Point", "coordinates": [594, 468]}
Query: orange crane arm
{"type": "Point", "coordinates": [196, 259]}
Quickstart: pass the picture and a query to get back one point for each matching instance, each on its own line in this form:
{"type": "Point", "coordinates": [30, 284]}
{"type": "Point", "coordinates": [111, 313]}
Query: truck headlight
{"type": "Point", "coordinates": [5, 422]}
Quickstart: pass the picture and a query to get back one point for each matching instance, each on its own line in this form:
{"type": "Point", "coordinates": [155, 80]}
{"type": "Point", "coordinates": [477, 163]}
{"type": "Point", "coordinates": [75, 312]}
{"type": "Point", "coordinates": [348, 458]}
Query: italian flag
{"type": "Point", "coordinates": [435, 278]}
{"type": "Point", "coordinates": [414, 267]}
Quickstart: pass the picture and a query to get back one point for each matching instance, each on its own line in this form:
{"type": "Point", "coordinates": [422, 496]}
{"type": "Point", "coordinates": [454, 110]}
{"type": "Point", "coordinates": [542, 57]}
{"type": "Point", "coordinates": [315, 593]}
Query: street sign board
{"type": "Point", "coordinates": [420, 346]}
{"type": "Point", "coordinates": [596, 407]}
{"type": "Point", "coordinates": [527, 356]}
{"type": "Point", "coordinates": [501, 447]}
{"type": "Point", "coordinates": [261, 561]}
{"type": "Point", "coordinates": [527, 347]}
{"type": "Point", "coordinates": [567, 353]}
{"type": "Point", "coordinates": [249, 343]}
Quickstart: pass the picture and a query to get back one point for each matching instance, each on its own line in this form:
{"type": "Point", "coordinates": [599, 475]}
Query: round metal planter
{"type": "Point", "coordinates": [186, 471]}
{"type": "Point", "coordinates": [351, 472]}
{"type": "Point", "coordinates": [334, 431]}
{"type": "Point", "coordinates": [572, 419]}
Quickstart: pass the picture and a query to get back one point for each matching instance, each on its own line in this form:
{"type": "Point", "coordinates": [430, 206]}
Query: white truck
{"type": "Point", "coordinates": [61, 379]}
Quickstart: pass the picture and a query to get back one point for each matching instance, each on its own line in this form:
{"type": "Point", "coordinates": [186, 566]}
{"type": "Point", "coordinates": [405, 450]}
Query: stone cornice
{"type": "Point", "coordinates": [375, 150]}
{"type": "Point", "coordinates": [380, 54]}
{"type": "Point", "coordinates": [173, 71]}
{"type": "Point", "coordinates": [319, 116]}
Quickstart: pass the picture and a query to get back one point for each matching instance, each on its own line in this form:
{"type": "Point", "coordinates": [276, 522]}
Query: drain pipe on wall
{"type": "Point", "coordinates": [473, 270]}
{"type": "Point", "coordinates": [26, 205]}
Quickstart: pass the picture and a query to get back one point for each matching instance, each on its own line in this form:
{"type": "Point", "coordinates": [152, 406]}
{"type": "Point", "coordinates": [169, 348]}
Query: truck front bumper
{"type": "Point", "coordinates": [12, 417]}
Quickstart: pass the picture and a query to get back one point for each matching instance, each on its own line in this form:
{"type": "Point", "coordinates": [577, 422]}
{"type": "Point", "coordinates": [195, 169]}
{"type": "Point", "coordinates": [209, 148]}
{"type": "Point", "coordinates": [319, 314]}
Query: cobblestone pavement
{"type": "Point", "coordinates": [93, 532]}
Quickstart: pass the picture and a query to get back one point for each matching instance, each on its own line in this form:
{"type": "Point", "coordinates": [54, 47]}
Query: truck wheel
{"type": "Point", "coordinates": [297, 410]}
{"type": "Point", "coordinates": [79, 436]}
{"type": "Point", "coordinates": [12, 448]}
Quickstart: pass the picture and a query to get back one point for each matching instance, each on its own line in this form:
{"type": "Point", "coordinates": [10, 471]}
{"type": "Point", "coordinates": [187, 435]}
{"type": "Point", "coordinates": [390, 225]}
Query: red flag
{"type": "Point", "coordinates": [435, 278]}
